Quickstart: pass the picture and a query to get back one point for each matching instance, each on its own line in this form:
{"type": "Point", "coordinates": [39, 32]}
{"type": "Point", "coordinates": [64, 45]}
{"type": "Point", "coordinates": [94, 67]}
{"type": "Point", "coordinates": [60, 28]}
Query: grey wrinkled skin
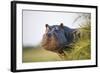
{"type": "Point", "coordinates": [57, 37]}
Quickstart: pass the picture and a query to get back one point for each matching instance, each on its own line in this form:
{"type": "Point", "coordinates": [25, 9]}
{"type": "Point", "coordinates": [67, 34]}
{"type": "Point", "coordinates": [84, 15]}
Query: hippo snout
{"type": "Point", "coordinates": [48, 34]}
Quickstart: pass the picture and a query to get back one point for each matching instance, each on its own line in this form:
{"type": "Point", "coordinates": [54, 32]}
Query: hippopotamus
{"type": "Point", "coordinates": [57, 37]}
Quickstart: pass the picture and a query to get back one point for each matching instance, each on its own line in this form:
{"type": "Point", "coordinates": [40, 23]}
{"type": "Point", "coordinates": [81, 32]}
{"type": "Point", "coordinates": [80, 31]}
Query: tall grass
{"type": "Point", "coordinates": [80, 49]}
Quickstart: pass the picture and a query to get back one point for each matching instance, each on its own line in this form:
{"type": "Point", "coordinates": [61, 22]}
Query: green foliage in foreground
{"type": "Point", "coordinates": [80, 49]}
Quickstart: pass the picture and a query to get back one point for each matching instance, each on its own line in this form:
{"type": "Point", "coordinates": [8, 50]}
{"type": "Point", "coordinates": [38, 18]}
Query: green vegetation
{"type": "Point", "coordinates": [38, 55]}
{"type": "Point", "coordinates": [81, 48]}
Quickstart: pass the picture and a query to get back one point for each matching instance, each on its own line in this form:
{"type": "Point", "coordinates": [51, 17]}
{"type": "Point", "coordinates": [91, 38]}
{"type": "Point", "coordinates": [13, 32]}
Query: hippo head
{"type": "Point", "coordinates": [54, 37]}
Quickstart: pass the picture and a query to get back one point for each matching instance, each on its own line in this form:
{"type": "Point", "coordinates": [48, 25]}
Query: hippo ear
{"type": "Point", "coordinates": [46, 25]}
{"type": "Point", "coordinates": [61, 25]}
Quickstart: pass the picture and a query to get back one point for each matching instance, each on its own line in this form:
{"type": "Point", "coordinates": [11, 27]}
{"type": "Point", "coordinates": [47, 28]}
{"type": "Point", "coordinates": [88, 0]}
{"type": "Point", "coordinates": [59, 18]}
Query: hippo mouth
{"type": "Point", "coordinates": [49, 43]}
{"type": "Point", "coordinates": [46, 41]}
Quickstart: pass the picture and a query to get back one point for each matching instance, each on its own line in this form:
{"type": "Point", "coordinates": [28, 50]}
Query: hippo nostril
{"type": "Point", "coordinates": [48, 34]}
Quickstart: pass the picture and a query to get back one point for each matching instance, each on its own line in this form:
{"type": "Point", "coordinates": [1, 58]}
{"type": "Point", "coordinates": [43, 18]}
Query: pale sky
{"type": "Point", "coordinates": [34, 24]}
